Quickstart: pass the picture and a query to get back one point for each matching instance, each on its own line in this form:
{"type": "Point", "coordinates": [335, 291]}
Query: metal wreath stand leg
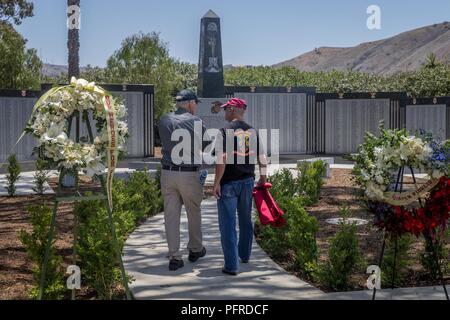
{"type": "Point", "coordinates": [76, 198]}
{"type": "Point", "coordinates": [427, 238]}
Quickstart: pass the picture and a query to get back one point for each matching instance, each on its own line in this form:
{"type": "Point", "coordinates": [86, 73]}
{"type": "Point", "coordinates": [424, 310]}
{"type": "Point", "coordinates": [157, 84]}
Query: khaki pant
{"type": "Point", "coordinates": [180, 188]}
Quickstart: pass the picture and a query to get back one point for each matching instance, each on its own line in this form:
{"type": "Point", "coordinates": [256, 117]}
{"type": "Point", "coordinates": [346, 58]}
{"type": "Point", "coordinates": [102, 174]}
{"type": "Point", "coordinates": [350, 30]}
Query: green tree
{"type": "Point", "coordinates": [15, 10]}
{"type": "Point", "coordinates": [90, 73]}
{"type": "Point", "coordinates": [95, 74]}
{"type": "Point", "coordinates": [144, 58]}
{"type": "Point", "coordinates": [433, 79]}
{"type": "Point", "coordinates": [20, 66]}
{"type": "Point", "coordinates": [187, 75]}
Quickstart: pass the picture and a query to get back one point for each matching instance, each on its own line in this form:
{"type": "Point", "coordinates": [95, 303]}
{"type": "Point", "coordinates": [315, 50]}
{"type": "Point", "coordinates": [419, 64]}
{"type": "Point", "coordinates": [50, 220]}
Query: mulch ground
{"type": "Point", "coordinates": [16, 270]}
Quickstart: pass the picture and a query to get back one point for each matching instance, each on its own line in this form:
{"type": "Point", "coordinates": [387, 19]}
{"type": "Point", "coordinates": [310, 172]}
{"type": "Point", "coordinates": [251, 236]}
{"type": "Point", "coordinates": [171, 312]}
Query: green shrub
{"type": "Point", "coordinates": [41, 176]}
{"type": "Point", "coordinates": [298, 234]}
{"type": "Point", "coordinates": [140, 195]}
{"type": "Point", "coordinates": [428, 259]}
{"type": "Point", "coordinates": [310, 180]}
{"type": "Point", "coordinates": [343, 255]}
{"type": "Point", "coordinates": [273, 240]}
{"type": "Point", "coordinates": [35, 243]}
{"type": "Point", "coordinates": [95, 246]}
{"type": "Point", "coordinates": [134, 201]}
{"type": "Point", "coordinates": [13, 174]}
{"type": "Point", "coordinates": [283, 185]}
{"type": "Point", "coordinates": [143, 182]}
{"type": "Point", "coordinates": [402, 261]}
{"type": "Point", "coordinates": [307, 184]}
{"type": "Point", "coordinates": [301, 234]}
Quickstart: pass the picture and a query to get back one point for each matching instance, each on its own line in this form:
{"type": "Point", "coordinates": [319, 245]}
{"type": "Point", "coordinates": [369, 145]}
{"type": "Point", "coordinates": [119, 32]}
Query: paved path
{"type": "Point", "coordinates": [24, 186]}
{"type": "Point", "coordinates": [26, 183]}
{"type": "Point", "coordinates": [261, 278]}
{"type": "Point", "coordinates": [422, 293]}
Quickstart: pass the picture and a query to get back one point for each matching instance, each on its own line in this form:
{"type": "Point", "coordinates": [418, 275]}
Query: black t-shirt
{"type": "Point", "coordinates": [242, 145]}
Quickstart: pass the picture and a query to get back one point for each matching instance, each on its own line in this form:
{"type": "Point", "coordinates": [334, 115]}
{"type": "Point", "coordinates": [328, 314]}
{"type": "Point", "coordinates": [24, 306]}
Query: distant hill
{"type": "Point", "coordinates": [403, 52]}
{"type": "Point", "coordinates": [54, 70]}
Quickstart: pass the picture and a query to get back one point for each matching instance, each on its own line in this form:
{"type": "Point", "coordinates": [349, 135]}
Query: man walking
{"type": "Point", "coordinates": [234, 182]}
{"type": "Point", "coordinates": [180, 176]}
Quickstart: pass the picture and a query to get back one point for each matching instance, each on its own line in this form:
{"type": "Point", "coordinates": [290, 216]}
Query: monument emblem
{"type": "Point", "coordinates": [210, 66]}
{"type": "Point", "coordinates": [216, 107]}
{"type": "Point", "coordinates": [213, 65]}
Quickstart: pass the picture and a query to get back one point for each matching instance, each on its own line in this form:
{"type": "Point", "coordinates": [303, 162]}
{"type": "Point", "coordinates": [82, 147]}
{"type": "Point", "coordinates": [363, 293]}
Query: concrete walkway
{"type": "Point", "coordinates": [419, 293]}
{"type": "Point", "coordinates": [261, 278]}
{"type": "Point", "coordinates": [24, 186]}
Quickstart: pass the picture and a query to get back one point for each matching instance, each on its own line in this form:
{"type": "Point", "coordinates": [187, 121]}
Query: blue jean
{"type": "Point", "coordinates": [236, 195]}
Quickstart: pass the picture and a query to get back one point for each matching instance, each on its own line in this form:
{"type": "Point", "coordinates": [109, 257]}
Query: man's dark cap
{"type": "Point", "coordinates": [187, 95]}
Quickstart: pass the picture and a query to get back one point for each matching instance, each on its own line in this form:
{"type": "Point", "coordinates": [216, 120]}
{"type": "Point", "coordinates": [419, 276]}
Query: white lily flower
{"type": "Point", "coordinates": [62, 137]}
{"type": "Point", "coordinates": [436, 174]}
{"type": "Point", "coordinates": [90, 86]}
{"type": "Point", "coordinates": [81, 83]}
{"type": "Point", "coordinates": [379, 179]}
{"type": "Point", "coordinates": [94, 167]}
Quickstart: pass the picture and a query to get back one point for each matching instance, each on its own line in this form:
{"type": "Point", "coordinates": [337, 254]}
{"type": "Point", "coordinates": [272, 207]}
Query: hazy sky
{"type": "Point", "coordinates": [253, 31]}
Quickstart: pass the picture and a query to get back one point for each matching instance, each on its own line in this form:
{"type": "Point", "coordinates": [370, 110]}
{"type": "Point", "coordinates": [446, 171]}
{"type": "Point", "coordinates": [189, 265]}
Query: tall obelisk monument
{"type": "Point", "coordinates": [210, 66]}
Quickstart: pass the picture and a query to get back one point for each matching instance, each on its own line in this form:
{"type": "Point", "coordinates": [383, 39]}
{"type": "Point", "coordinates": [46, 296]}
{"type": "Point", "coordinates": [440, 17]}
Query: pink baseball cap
{"type": "Point", "coordinates": [235, 102]}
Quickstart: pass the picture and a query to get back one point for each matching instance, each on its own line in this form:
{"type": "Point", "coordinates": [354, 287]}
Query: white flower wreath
{"type": "Point", "coordinates": [49, 123]}
{"type": "Point", "coordinates": [379, 157]}
{"type": "Point", "coordinates": [411, 151]}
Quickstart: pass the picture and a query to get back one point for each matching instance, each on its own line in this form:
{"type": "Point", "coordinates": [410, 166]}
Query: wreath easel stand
{"type": "Point", "coordinates": [399, 183]}
{"type": "Point", "coordinates": [79, 197]}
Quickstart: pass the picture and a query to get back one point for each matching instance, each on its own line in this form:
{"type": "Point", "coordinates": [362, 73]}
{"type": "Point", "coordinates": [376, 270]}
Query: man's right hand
{"type": "Point", "coordinates": [262, 180]}
{"type": "Point", "coordinates": [216, 191]}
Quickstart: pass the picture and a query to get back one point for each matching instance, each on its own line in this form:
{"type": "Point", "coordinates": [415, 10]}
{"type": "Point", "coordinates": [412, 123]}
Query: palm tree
{"type": "Point", "coordinates": [73, 44]}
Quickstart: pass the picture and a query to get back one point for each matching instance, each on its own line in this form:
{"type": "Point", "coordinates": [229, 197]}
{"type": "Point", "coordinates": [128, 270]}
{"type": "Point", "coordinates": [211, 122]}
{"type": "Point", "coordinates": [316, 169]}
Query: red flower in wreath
{"type": "Point", "coordinates": [426, 220]}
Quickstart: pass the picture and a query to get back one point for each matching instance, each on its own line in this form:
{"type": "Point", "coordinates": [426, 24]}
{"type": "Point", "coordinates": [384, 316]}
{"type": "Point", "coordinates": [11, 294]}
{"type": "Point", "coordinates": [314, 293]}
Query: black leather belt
{"type": "Point", "coordinates": [177, 168]}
